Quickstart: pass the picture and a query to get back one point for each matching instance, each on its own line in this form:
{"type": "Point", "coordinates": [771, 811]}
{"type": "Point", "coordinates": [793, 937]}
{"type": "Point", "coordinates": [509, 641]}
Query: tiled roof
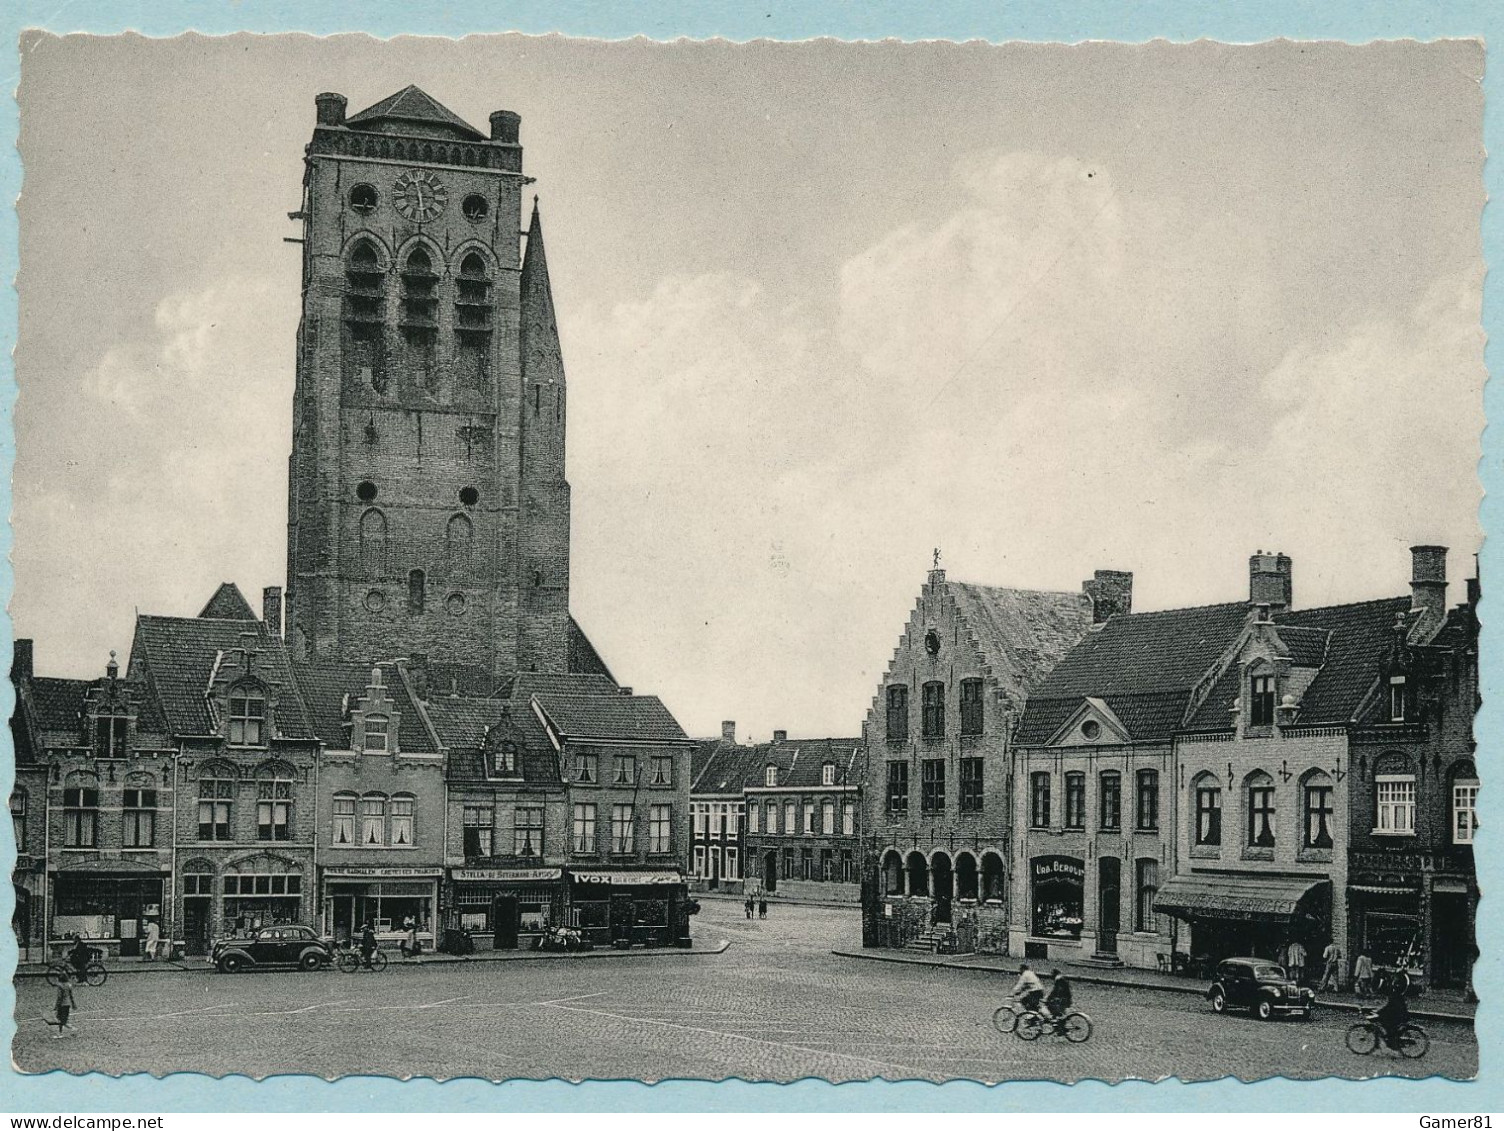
{"type": "Point", "coordinates": [327, 686]}
{"type": "Point", "coordinates": [1307, 645]}
{"type": "Point", "coordinates": [1150, 717]}
{"type": "Point", "coordinates": [1023, 633]}
{"type": "Point", "coordinates": [178, 655]}
{"type": "Point", "coordinates": [584, 718]}
{"type": "Point", "coordinates": [411, 104]}
{"type": "Point", "coordinates": [463, 679]}
{"type": "Point", "coordinates": [1360, 637]}
{"type": "Point", "coordinates": [228, 603]}
{"type": "Point", "coordinates": [723, 767]}
{"type": "Point", "coordinates": [462, 723]}
{"type": "Point", "coordinates": [731, 768]}
{"type": "Point", "coordinates": [59, 703]}
{"type": "Point", "coordinates": [583, 658]}
{"type": "Point", "coordinates": [526, 684]}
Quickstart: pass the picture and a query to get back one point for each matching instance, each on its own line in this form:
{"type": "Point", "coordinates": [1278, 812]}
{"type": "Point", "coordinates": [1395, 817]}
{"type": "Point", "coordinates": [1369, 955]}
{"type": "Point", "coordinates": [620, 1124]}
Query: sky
{"type": "Point", "coordinates": [824, 308]}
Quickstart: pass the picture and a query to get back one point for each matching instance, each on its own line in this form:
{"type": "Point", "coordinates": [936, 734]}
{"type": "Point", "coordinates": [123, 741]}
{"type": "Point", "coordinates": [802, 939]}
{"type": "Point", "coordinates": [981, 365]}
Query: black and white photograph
{"type": "Point", "coordinates": [551, 558]}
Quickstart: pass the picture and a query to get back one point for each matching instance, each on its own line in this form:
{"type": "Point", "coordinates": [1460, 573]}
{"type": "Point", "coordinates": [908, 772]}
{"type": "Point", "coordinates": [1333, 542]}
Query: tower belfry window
{"type": "Point", "coordinates": [363, 297]}
{"type": "Point", "coordinates": [472, 304]}
{"type": "Point", "coordinates": [415, 587]}
{"type": "Point", "coordinates": [420, 303]}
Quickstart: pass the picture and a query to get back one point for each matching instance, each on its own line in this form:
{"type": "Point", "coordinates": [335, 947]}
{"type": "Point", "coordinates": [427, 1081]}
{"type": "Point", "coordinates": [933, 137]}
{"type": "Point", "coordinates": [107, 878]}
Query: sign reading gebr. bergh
{"type": "Point", "coordinates": [1059, 868]}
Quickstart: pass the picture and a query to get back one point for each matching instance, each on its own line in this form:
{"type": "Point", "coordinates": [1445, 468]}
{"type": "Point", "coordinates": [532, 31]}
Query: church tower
{"type": "Point", "coordinates": [428, 511]}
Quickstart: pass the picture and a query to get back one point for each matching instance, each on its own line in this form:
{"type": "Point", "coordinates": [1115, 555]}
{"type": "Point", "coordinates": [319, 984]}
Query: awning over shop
{"type": "Point", "coordinates": [111, 865]}
{"type": "Point", "coordinates": [1236, 897]}
{"type": "Point", "coordinates": [626, 878]}
{"type": "Point", "coordinates": [1384, 889]}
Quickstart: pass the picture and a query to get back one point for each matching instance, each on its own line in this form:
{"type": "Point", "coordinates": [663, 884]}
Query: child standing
{"type": "Point", "coordinates": [64, 1006]}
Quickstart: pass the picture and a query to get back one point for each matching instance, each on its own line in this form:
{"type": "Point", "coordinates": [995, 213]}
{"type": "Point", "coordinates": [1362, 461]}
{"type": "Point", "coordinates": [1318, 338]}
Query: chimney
{"type": "Point", "coordinates": [728, 731]}
{"type": "Point", "coordinates": [271, 609]}
{"type": "Point", "coordinates": [1111, 593]}
{"type": "Point", "coordinates": [1428, 590]}
{"type": "Point", "coordinates": [627, 691]}
{"type": "Point", "coordinates": [1270, 581]}
{"type": "Point", "coordinates": [20, 662]}
{"type": "Point", "coordinates": [331, 109]}
{"type": "Point", "coordinates": [780, 736]}
{"type": "Point", "coordinates": [505, 126]}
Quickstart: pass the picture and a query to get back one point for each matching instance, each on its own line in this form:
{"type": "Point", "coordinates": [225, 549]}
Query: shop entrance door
{"type": "Point", "coordinates": [1452, 947]}
{"type": "Point", "coordinates": [196, 925]}
{"type": "Point", "coordinates": [623, 917]}
{"type": "Point", "coordinates": [770, 871]}
{"type": "Point", "coordinates": [504, 922]}
{"type": "Point", "coordinates": [1109, 903]}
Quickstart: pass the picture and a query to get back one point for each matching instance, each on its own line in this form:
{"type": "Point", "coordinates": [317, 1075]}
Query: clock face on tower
{"type": "Point", "coordinates": [419, 196]}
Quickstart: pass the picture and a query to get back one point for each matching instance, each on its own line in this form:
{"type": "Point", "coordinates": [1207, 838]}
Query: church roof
{"type": "Point", "coordinates": [412, 105]}
{"type": "Point", "coordinates": [228, 603]}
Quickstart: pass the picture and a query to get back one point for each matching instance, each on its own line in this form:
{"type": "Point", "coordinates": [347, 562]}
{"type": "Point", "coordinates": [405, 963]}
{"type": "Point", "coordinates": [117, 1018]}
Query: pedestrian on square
{"type": "Point", "coordinates": [64, 1005]}
{"type": "Point", "coordinates": [1363, 974]}
{"type": "Point", "coordinates": [762, 907]}
{"type": "Point", "coordinates": [153, 938]}
{"type": "Point", "coordinates": [1296, 962]}
{"type": "Point", "coordinates": [1331, 973]}
{"type": "Point", "coordinates": [412, 947]}
{"type": "Point", "coordinates": [367, 942]}
{"type": "Point", "coordinates": [747, 907]}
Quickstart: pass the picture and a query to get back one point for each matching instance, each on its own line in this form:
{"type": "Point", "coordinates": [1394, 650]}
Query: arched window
{"type": "Point", "coordinates": [216, 795]}
{"type": "Point", "coordinates": [373, 543]}
{"type": "Point", "coordinates": [1259, 790]}
{"type": "Point", "coordinates": [274, 802]}
{"type": "Point", "coordinates": [457, 539]}
{"type": "Point", "coordinates": [1206, 796]}
{"type": "Point", "coordinates": [342, 830]}
{"type": "Point", "coordinates": [373, 820]}
{"type": "Point", "coordinates": [247, 716]}
{"type": "Point", "coordinates": [402, 820]}
{"type": "Point", "coordinates": [363, 307]}
{"type": "Point", "coordinates": [1148, 800]}
{"type": "Point", "coordinates": [1316, 795]}
{"type": "Point", "coordinates": [415, 591]}
{"type": "Point", "coordinates": [138, 811]}
{"type": "Point", "coordinates": [81, 810]}
{"type": "Point", "coordinates": [1146, 874]}
{"type": "Point", "coordinates": [419, 298]}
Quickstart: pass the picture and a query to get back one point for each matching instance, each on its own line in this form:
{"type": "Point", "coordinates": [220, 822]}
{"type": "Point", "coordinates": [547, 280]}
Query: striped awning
{"type": "Point", "coordinates": [1244, 898]}
{"type": "Point", "coordinates": [1383, 889]}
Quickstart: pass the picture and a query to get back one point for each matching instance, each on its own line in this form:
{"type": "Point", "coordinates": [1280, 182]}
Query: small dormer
{"type": "Point", "coordinates": [503, 746]}
{"type": "Point", "coordinates": [1093, 723]}
{"type": "Point", "coordinates": [242, 701]}
{"type": "Point", "coordinates": [109, 714]}
{"type": "Point", "coordinates": [828, 774]}
{"type": "Point", "coordinates": [1265, 690]}
{"type": "Point", "coordinates": [374, 719]}
{"type": "Point", "coordinates": [770, 775]}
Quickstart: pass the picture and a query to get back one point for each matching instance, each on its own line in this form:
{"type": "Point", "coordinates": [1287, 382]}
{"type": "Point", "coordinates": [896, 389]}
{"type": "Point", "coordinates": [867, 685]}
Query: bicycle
{"type": "Point", "coordinates": [1005, 1017]}
{"type": "Point", "coordinates": [93, 973]}
{"type": "Point", "coordinates": [1363, 1037]}
{"type": "Point", "coordinates": [1075, 1026]}
{"type": "Point", "coordinates": [351, 960]}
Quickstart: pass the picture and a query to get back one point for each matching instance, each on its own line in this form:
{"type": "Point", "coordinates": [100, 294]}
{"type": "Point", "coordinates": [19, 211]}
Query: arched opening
{"type": "Point", "coordinates": [892, 873]}
{"type": "Point", "coordinates": [942, 886]}
{"type": "Point", "coordinates": [919, 874]}
{"type": "Point", "coordinates": [457, 539]}
{"type": "Point", "coordinates": [415, 591]}
{"type": "Point", "coordinates": [373, 543]}
{"type": "Point", "coordinates": [992, 877]}
{"type": "Point", "coordinates": [966, 876]}
{"type": "Point", "coordinates": [420, 312]}
{"type": "Point", "coordinates": [770, 870]}
{"type": "Point", "coordinates": [363, 316]}
{"type": "Point", "coordinates": [1206, 815]}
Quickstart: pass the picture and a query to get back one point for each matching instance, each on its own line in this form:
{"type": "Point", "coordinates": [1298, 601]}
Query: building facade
{"type": "Point", "coordinates": [802, 822]}
{"type": "Point", "coordinates": [719, 772]}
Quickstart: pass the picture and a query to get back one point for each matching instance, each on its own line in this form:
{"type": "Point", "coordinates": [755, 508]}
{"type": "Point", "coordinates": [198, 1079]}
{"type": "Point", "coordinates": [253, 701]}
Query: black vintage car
{"type": "Point", "coordinates": [1260, 986]}
{"type": "Point", "coordinates": [287, 945]}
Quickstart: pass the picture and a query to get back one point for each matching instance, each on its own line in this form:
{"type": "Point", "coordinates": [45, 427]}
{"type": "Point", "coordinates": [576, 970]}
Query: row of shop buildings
{"type": "Point", "coordinates": [218, 785]}
{"type": "Point", "coordinates": [1054, 776]}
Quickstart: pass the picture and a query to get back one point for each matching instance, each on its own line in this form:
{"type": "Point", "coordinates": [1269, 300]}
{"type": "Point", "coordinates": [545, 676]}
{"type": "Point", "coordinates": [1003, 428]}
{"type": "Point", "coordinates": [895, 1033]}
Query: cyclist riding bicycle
{"type": "Point", "coordinates": [1058, 1003]}
{"type": "Point", "coordinates": [79, 954]}
{"type": "Point", "coordinates": [1028, 988]}
{"type": "Point", "coordinates": [367, 943]}
{"type": "Point", "coordinates": [1393, 1015]}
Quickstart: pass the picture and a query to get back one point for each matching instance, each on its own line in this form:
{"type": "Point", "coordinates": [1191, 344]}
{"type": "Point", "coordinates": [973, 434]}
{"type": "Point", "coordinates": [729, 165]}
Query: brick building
{"type": "Point", "coordinates": [936, 764]}
{"type": "Point", "coordinates": [719, 772]}
{"type": "Point", "coordinates": [802, 822]}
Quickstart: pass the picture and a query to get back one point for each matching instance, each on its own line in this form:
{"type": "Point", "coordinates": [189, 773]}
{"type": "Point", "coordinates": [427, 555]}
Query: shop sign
{"type": "Point", "coordinates": [513, 875]}
{"type": "Point", "coordinates": [626, 877]}
{"type": "Point", "coordinates": [381, 873]}
{"type": "Point", "coordinates": [1066, 869]}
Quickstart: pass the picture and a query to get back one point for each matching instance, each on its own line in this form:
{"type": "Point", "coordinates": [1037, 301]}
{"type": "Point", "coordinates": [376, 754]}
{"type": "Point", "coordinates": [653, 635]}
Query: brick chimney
{"type": "Point", "coordinates": [728, 732]}
{"type": "Point", "coordinates": [1111, 593]}
{"type": "Point", "coordinates": [780, 737]}
{"type": "Point", "coordinates": [20, 664]}
{"type": "Point", "coordinates": [1428, 590]}
{"type": "Point", "coordinates": [1270, 581]}
{"type": "Point", "coordinates": [506, 126]}
{"type": "Point", "coordinates": [271, 609]}
{"type": "Point", "coordinates": [331, 109]}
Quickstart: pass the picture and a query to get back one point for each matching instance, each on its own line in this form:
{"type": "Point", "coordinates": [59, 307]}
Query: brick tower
{"type": "Point", "coordinates": [428, 511]}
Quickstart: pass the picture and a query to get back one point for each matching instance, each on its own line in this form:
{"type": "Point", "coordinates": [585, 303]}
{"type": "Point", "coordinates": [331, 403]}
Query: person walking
{"type": "Point", "coordinates": [64, 1005]}
{"type": "Point", "coordinates": [1363, 975]}
{"type": "Point", "coordinates": [153, 939]}
{"type": "Point", "coordinates": [747, 907]}
{"type": "Point", "coordinates": [1331, 972]}
{"type": "Point", "coordinates": [762, 907]}
{"type": "Point", "coordinates": [367, 942]}
{"type": "Point", "coordinates": [1296, 961]}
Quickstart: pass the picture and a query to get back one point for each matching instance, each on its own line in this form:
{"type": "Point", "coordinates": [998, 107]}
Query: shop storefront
{"type": "Point", "coordinates": [1057, 886]}
{"type": "Point", "coordinates": [392, 900]}
{"type": "Point", "coordinates": [264, 891]}
{"type": "Point", "coordinates": [629, 908]}
{"type": "Point", "coordinates": [506, 908]}
{"type": "Point", "coordinates": [1256, 916]}
{"type": "Point", "coordinates": [107, 904]}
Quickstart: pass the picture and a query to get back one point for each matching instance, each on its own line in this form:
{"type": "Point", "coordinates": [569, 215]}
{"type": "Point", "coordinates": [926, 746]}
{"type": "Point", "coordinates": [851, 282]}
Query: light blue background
{"type": "Point", "coordinates": [1065, 21]}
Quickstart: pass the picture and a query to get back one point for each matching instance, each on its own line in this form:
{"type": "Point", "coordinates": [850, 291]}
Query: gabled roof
{"type": "Point", "coordinates": [328, 687]}
{"type": "Point", "coordinates": [462, 725]}
{"type": "Point", "coordinates": [228, 603]}
{"type": "Point", "coordinates": [731, 768]}
{"type": "Point", "coordinates": [720, 767]}
{"type": "Point", "coordinates": [1023, 633]}
{"type": "Point", "coordinates": [179, 654]}
{"type": "Point", "coordinates": [603, 718]}
{"type": "Point", "coordinates": [415, 106]}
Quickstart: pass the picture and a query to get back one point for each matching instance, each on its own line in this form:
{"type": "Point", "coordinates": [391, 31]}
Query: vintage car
{"type": "Point", "coordinates": [286, 945]}
{"type": "Point", "coordinates": [1260, 986]}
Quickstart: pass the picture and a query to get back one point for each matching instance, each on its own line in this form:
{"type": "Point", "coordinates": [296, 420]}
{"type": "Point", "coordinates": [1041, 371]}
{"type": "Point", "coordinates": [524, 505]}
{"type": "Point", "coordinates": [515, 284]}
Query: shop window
{"type": "Point", "coordinates": [898, 787]}
{"type": "Point", "coordinates": [1148, 800]}
{"type": "Point", "coordinates": [1039, 800]}
{"type": "Point", "coordinates": [1397, 699]}
{"type": "Point", "coordinates": [933, 716]}
{"type": "Point", "coordinates": [110, 735]}
{"type": "Point", "coordinates": [932, 786]}
{"type": "Point", "coordinates": [372, 820]}
{"type": "Point", "coordinates": [663, 769]}
{"type": "Point", "coordinates": [1395, 805]}
{"type": "Point", "coordinates": [1111, 783]}
{"type": "Point", "coordinates": [848, 819]}
{"type": "Point", "coordinates": [828, 774]}
{"type": "Point", "coordinates": [1261, 814]}
{"type": "Point", "coordinates": [621, 829]}
{"type": "Point", "coordinates": [1075, 800]}
{"type": "Point", "coordinates": [770, 776]}
{"type": "Point", "coordinates": [273, 805]}
{"type": "Point", "coordinates": [18, 803]}
{"type": "Point", "coordinates": [216, 794]}
{"type": "Point", "coordinates": [342, 832]}
{"type": "Point", "coordinates": [659, 829]}
{"type": "Point", "coordinates": [586, 769]}
{"type": "Point", "coordinates": [402, 821]}
{"type": "Point", "coordinates": [479, 822]}
{"type": "Point", "coordinates": [1147, 890]}
{"type": "Point", "coordinates": [971, 785]}
{"type": "Point", "coordinates": [898, 713]}
{"type": "Point", "coordinates": [971, 706]}
{"type": "Point", "coordinates": [1318, 812]}
{"type": "Point", "coordinates": [247, 717]}
{"type": "Point", "coordinates": [1261, 701]}
{"type": "Point", "coordinates": [1208, 811]}
{"type": "Point", "coordinates": [624, 769]}
{"type": "Point", "coordinates": [81, 812]}
{"type": "Point", "coordinates": [584, 829]}
{"type": "Point", "coordinates": [138, 818]}
{"type": "Point", "coordinates": [827, 865]}
{"type": "Point", "coordinates": [1464, 810]}
{"type": "Point", "coordinates": [828, 817]}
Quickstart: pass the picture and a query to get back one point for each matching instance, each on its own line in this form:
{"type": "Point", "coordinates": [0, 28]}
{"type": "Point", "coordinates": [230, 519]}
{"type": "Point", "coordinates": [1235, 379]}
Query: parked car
{"type": "Point", "coordinates": [1260, 986]}
{"type": "Point", "coordinates": [273, 946]}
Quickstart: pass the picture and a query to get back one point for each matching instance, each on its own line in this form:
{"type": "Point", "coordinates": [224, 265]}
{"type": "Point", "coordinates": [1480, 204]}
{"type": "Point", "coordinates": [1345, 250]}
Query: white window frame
{"type": "Point", "coordinates": [699, 866]}
{"type": "Point", "coordinates": [376, 734]}
{"type": "Point", "coordinates": [754, 811]}
{"type": "Point", "coordinates": [848, 819]}
{"type": "Point", "coordinates": [733, 871]}
{"type": "Point", "coordinates": [828, 774]}
{"type": "Point", "coordinates": [1396, 698]}
{"type": "Point", "coordinates": [828, 817]}
{"type": "Point", "coordinates": [809, 818]}
{"type": "Point", "coordinates": [1394, 816]}
{"type": "Point", "coordinates": [1464, 788]}
{"type": "Point", "coordinates": [770, 777]}
{"type": "Point", "coordinates": [660, 829]}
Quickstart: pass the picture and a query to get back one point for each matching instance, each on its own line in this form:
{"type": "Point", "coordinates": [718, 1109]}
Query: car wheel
{"type": "Point", "coordinates": [1264, 1011]}
{"type": "Point", "coordinates": [310, 961]}
{"type": "Point", "coordinates": [1219, 1001]}
{"type": "Point", "coordinates": [231, 964]}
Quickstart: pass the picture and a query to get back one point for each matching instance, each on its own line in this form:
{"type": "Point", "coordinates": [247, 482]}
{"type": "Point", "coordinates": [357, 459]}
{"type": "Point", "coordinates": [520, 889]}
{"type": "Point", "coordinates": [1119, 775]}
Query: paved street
{"type": "Point", "coordinates": [776, 1005]}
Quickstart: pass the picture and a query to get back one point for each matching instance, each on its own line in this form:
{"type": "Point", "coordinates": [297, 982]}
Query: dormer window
{"type": "Point", "coordinates": [376, 734]}
{"type": "Point", "coordinates": [1261, 701]}
{"type": "Point", "coordinates": [247, 717]}
{"type": "Point", "coordinates": [828, 774]}
{"type": "Point", "coordinates": [770, 777]}
{"type": "Point", "coordinates": [1396, 698]}
{"type": "Point", "coordinates": [110, 734]}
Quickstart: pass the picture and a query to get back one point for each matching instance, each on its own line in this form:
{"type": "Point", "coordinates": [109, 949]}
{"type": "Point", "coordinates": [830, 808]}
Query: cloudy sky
{"type": "Point", "coordinates": [824, 307]}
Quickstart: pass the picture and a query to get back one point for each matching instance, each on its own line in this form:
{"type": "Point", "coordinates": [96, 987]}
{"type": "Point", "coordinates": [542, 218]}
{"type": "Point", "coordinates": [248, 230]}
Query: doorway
{"type": "Point", "coordinates": [196, 925]}
{"type": "Point", "coordinates": [770, 871]}
{"type": "Point", "coordinates": [504, 922]}
{"type": "Point", "coordinates": [1109, 903]}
